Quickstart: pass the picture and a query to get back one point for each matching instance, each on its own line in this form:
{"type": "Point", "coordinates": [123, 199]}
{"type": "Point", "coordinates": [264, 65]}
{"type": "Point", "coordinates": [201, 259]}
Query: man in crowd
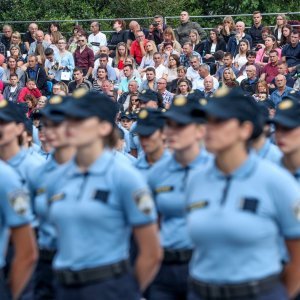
{"type": "Point", "coordinates": [166, 95]}
{"type": "Point", "coordinates": [29, 36]}
{"type": "Point", "coordinates": [227, 63]}
{"type": "Point", "coordinates": [84, 57]}
{"type": "Point", "coordinates": [281, 91]}
{"type": "Point", "coordinates": [203, 72]}
{"type": "Point", "coordinates": [39, 40]}
{"type": "Point", "coordinates": [255, 30]}
{"type": "Point", "coordinates": [209, 87]}
{"type": "Point", "coordinates": [6, 37]}
{"type": "Point", "coordinates": [79, 81]}
{"type": "Point", "coordinates": [103, 61]}
{"type": "Point", "coordinates": [150, 82]}
{"type": "Point", "coordinates": [183, 30]}
{"type": "Point", "coordinates": [250, 55]}
{"type": "Point", "coordinates": [248, 85]}
{"type": "Point", "coordinates": [12, 90]}
{"type": "Point", "coordinates": [134, 26]}
{"type": "Point", "coordinates": [270, 70]}
{"type": "Point", "coordinates": [291, 52]}
{"type": "Point", "coordinates": [96, 38]}
{"type": "Point", "coordinates": [192, 71]}
{"type": "Point", "coordinates": [137, 48]}
{"type": "Point", "coordinates": [124, 99]}
{"type": "Point", "coordinates": [187, 54]}
{"type": "Point", "coordinates": [156, 34]}
{"type": "Point", "coordinates": [105, 50]}
{"type": "Point", "coordinates": [160, 69]}
{"type": "Point", "coordinates": [128, 73]}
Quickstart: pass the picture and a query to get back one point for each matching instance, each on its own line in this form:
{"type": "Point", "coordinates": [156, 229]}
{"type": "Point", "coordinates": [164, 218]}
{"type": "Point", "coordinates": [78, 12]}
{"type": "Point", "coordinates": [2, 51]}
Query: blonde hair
{"type": "Point", "coordinates": [232, 75]}
{"type": "Point", "coordinates": [194, 31]}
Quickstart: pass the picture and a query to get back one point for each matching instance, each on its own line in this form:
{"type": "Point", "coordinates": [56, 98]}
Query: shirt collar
{"type": "Point", "coordinates": [17, 159]}
{"type": "Point", "coordinates": [262, 152]}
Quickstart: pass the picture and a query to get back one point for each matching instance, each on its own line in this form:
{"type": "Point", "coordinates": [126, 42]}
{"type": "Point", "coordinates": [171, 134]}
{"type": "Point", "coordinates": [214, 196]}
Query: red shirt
{"type": "Point", "coordinates": [26, 91]}
{"type": "Point", "coordinates": [85, 59]}
{"type": "Point", "coordinates": [136, 52]}
{"type": "Point", "coordinates": [270, 71]}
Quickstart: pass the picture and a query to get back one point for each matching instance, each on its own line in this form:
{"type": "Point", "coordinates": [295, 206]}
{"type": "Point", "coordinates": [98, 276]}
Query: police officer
{"type": "Point", "coordinates": [94, 206]}
{"type": "Point", "coordinates": [167, 178]}
{"type": "Point", "coordinates": [121, 147]}
{"type": "Point", "coordinates": [55, 134]}
{"type": "Point", "coordinates": [236, 212]}
{"type": "Point", "coordinates": [15, 214]}
{"type": "Point", "coordinates": [150, 124]}
{"type": "Point", "coordinates": [126, 121]}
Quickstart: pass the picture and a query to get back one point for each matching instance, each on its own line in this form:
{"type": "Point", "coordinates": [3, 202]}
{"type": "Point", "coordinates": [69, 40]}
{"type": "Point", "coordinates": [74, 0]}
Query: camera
{"type": "Point", "coordinates": [155, 24]}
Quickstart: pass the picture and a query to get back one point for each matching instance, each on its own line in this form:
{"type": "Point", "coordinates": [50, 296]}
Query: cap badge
{"type": "Point", "coordinates": [3, 103]}
{"type": "Point", "coordinates": [79, 93]}
{"type": "Point", "coordinates": [222, 92]}
{"type": "Point", "coordinates": [203, 101]}
{"type": "Point", "coordinates": [143, 91]}
{"type": "Point", "coordinates": [285, 104]}
{"type": "Point", "coordinates": [143, 114]}
{"type": "Point", "coordinates": [180, 101]}
{"type": "Point", "coordinates": [56, 100]}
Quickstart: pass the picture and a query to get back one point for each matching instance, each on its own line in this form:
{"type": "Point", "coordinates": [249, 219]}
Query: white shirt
{"type": "Point", "coordinates": [97, 41]}
{"type": "Point", "coordinates": [192, 74]}
{"type": "Point", "coordinates": [160, 71]}
{"type": "Point", "coordinates": [199, 84]}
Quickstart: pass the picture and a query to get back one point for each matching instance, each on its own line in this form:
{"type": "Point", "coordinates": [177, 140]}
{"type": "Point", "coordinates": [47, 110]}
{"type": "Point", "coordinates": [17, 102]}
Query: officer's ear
{"type": "Point", "coordinates": [19, 128]}
{"type": "Point", "coordinates": [201, 131]}
{"type": "Point", "coordinates": [246, 130]}
{"type": "Point", "coordinates": [105, 128]}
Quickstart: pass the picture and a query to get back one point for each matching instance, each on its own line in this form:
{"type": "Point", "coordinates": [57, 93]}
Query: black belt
{"type": "Point", "coordinates": [46, 255]}
{"type": "Point", "coordinates": [68, 277]}
{"type": "Point", "coordinates": [177, 256]}
{"type": "Point", "coordinates": [234, 291]}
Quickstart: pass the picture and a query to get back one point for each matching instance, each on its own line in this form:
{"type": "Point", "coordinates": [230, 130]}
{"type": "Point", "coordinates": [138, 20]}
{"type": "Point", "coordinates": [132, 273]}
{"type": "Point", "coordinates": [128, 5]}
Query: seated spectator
{"type": "Point", "coordinates": [12, 68]}
{"type": "Point", "coordinates": [248, 85]}
{"type": "Point", "coordinates": [194, 39]}
{"type": "Point", "coordinates": [265, 32]}
{"type": "Point", "coordinates": [129, 76]}
{"type": "Point", "coordinates": [256, 30]}
{"type": "Point", "coordinates": [15, 52]}
{"type": "Point", "coordinates": [251, 55]}
{"type": "Point", "coordinates": [291, 52]}
{"type": "Point", "coordinates": [36, 73]}
{"type": "Point", "coordinates": [147, 60]}
{"type": "Point", "coordinates": [262, 56]}
{"type": "Point", "coordinates": [150, 83]}
{"type": "Point", "coordinates": [234, 41]}
{"type": "Point", "coordinates": [101, 76]}
{"type": "Point", "coordinates": [134, 27]}
{"type": "Point", "coordinates": [134, 104]}
{"type": "Point", "coordinates": [241, 58]}
{"type": "Point", "coordinates": [96, 38]}
{"type": "Point", "coordinates": [130, 61]}
{"type": "Point", "coordinates": [31, 102]}
{"type": "Point", "coordinates": [228, 29]}
{"type": "Point", "coordinates": [282, 69]}
{"type": "Point", "coordinates": [2, 49]}
{"type": "Point", "coordinates": [60, 88]}
{"type": "Point", "coordinates": [39, 39]}
{"type": "Point", "coordinates": [281, 91]}
{"type": "Point", "coordinates": [213, 43]}
{"type": "Point", "coordinates": [270, 71]}
{"type": "Point", "coordinates": [262, 91]}
{"type": "Point", "coordinates": [166, 95]}
{"type": "Point", "coordinates": [183, 30]}
{"type": "Point", "coordinates": [16, 41]}
{"type": "Point", "coordinates": [228, 63]}
{"type": "Point", "coordinates": [53, 27]}
{"type": "Point", "coordinates": [124, 99]}
{"type": "Point", "coordinates": [209, 87]}
{"type": "Point", "coordinates": [42, 103]}
{"type": "Point", "coordinates": [29, 36]}
{"type": "Point", "coordinates": [183, 88]}
{"type": "Point", "coordinates": [187, 53]}
{"type": "Point", "coordinates": [79, 81]}
{"type": "Point", "coordinates": [51, 64]}
{"type": "Point", "coordinates": [29, 89]}
{"type": "Point", "coordinates": [229, 79]}
{"type": "Point", "coordinates": [160, 69]}
{"type": "Point", "coordinates": [169, 37]}
{"type": "Point", "coordinates": [286, 35]}
{"type": "Point", "coordinates": [181, 74]}
{"type": "Point", "coordinates": [167, 50]}
{"type": "Point", "coordinates": [54, 38]}
{"type": "Point", "coordinates": [12, 89]}
{"type": "Point", "coordinates": [171, 72]}
{"type": "Point", "coordinates": [192, 71]}
{"type": "Point", "coordinates": [120, 57]}
{"type": "Point", "coordinates": [278, 29]}
{"type": "Point", "coordinates": [137, 48]}
{"type": "Point", "coordinates": [203, 72]}
{"type": "Point", "coordinates": [103, 61]}
{"type": "Point", "coordinates": [108, 89]}
{"type": "Point", "coordinates": [120, 35]}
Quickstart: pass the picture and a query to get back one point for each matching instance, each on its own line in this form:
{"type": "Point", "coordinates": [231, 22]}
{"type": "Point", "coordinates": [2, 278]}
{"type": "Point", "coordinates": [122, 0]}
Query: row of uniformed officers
{"type": "Point", "coordinates": [215, 215]}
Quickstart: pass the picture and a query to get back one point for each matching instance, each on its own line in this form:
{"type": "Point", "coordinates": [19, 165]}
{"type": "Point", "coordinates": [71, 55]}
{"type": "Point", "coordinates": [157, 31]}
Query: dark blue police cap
{"type": "Point", "coordinates": [185, 111]}
{"type": "Point", "coordinates": [54, 110]}
{"type": "Point", "coordinates": [11, 112]}
{"type": "Point", "coordinates": [126, 115]}
{"type": "Point", "coordinates": [288, 113]}
{"type": "Point", "coordinates": [149, 120]}
{"type": "Point", "coordinates": [148, 95]}
{"type": "Point", "coordinates": [84, 104]}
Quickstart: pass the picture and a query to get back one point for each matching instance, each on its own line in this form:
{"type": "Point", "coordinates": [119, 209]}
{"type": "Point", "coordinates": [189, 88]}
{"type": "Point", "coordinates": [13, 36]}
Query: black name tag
{"type": "Point", "coordinates": [101, 195]}
{"type": "Point", "coordinates": [250, 204]}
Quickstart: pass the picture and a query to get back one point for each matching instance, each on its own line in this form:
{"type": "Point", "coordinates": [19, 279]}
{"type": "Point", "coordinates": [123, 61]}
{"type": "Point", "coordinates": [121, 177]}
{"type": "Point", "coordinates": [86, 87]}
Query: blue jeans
{"type": "Point", "coordinates": [170, 283]}
{"type": "Point", "coordinates": [124, 287]}
{"type": "Point", "coordinates": [278, 292]}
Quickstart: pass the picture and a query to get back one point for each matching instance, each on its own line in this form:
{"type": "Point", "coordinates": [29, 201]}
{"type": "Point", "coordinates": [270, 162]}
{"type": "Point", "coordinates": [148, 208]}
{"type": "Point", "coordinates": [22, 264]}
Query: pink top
{"type": "Point", "coordinates": [1, 86]}
{"type": "Point", "coordinates": [260, 55]}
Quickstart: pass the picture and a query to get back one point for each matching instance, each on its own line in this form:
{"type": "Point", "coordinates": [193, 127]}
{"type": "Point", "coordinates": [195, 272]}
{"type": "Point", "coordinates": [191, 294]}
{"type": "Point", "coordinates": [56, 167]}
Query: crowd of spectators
{"type": "Point", "coordinates": [263, 60]}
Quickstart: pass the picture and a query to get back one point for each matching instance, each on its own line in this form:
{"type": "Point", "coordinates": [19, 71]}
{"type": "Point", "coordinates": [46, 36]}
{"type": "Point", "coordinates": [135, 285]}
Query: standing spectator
{"type": "Point", "coordinates": [228, 28]}
{"type": "Point", "coordinates": [281, 91]}
{"type": "Point", "coordinates": [12, 90]}
{"type": "Point", "coordinates": [96, 38]}
{"type": "Point", "coordinates": [166, 95]}
{"type": "Point", "coordinates": [291, 52]}
{"type": "Point", "coordinates": [192, 71]}
{"type": "Point", "coordinates": [241, 58]}
{"type": "Point", "coordinates": [54, 38]}
{"type": "Point", "coordinates": [251, 55]}
{"type": "Point", "coordinates": [103, 61]}
{"type": "Point", "coordinates": [182, 32]}
{"type": "Point", "coordinates": [79, 81]}
{"type": "Point", "coordinates": [72, 46]}
{"type": "Point", "coordinates": [160, 69]}
{"type": "Point", "coordinates": [256, 30]}
{"type": "Point", "coordinates": [137, 48]}
{"type": "Point", "coordinates": [30, 36]}
{"type": "Point", "coordinates": [6, 37]}
{"type": "Point", "coordinates": [53, 27]}
{"type": "Point", "coordinates": [84, 57]}
{"type": "Point", "coordinates": [248, 85]}
{"type": "Point", "coordinates": [12, 68]}
{"type": "Point", "coordinates": [36, 73]}
{"type": "Point", "coordinates": [29, 89]}
{"type": "Point", "coordinates": [150, 83]}
{"type": "Point", "coordinates": [203, 72]}
{"type": "Point", "coordinates": [234, 41]}
{"type": "Point", "coordinates": [187, 54]}
{"type": "Point", "coordinates": [278, 29]}
{"type": "Point", "coordinates": [73, 38]}
{"type": "Point", "coordinates": [228, 63]}
{"type": "Point", "coordinates": [129, 76]}
{"type": "Point", "coordinates": [39, 36]}
{"type": "Point", "coordinates": [120, 35]}
{"type": "Point", "coordinates": [158, 29]}
{"type": "Point", "coordinates": [2, 49]}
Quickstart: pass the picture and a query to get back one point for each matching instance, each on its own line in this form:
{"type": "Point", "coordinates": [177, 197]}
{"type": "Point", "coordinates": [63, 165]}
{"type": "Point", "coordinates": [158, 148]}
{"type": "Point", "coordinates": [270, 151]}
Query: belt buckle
{"type": "Point", "coordinates": [117, 268]}
{"type": "Point", "coordinates": [254, 287]}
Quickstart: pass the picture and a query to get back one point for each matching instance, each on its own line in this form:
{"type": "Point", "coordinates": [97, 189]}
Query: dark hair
{"type": "Point", "coordinates": [103, 55]}
{"type": "Point", "coordinates": [251, 53]}
{"type": "Point", "coordinates": [13, 75]}
{"type": "Point", "coordinates": [77, 70]}
{"type": "Point", "coordinates": [217, 34]}
{"type": "Point", "coordinates": [102, 68]}
{"type": "Point", "coordinates": [151, 69]}
{"type": "Point", "coordinates": [295, 31]}
{"type": "Point", "coordinates": [112, 138]}
{"type": "Point", "coordinates": [122, 22]}
{"type": "Point", "coordinates": [274, 51]}
{"type": "Point", "coordinates": [128, 65]}
{"type": "Point", "coordinates": [176, 57]}
{"type": "Point", "coordinates": [49, 51]}
{"type": "Point", "coordinates": [54, 24]}
{"type": "Point", "coordinates": [78, 28]}
{"type": "Point", "coordinates": [228, 54]}
{"type": "Point", "coordinates": [218, 55]}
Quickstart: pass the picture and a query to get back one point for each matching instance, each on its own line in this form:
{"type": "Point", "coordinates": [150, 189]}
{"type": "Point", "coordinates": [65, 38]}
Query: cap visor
{"type": "Point", "coordinates": [217, 111]}
{"type": "Point", "coordinates": [145, 130]}
{"type": "Point", "coordinates": [284, 121]}
{"type": "Point", "coordinates": [178, 117]}
{"type": "Point", "coordinates": [6, 117]}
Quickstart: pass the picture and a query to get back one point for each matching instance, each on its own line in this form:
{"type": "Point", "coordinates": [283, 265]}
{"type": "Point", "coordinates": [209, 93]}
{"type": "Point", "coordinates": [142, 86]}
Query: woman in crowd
{"type": "Point", "coordinates": [53, 27]}
{"type": "Point", "coordinates": [147, 60]}
{"type": "Point", "coordinates": [134, 104]}
{"type": "Point", "coordinates": [121, 55]}
{"type": "Point", "coordinates": [228, 29]}
{"type": "Point", "coordinates": [16, 40]}
{"type": "Point", "coordinates": [181, 74]}
{"type": "Point", "coordinates": [13, 68]}
{"type": "Point", "coordinates": [229, 78]}
{"type": "Point", "coordinates": [183, 88]}
{"type": "Point", "coordinates": [31, 103]}
{"type": "Point", "coordinates": [241, 58]}
{"type": "Point", "coordinates": [169, 37]}
{"type": "Point", "coordinates": [120, 35]}
{"type": "Point", "coordinates": [101, 76]}
{"type": "Point", "coordinates": [195, 40]}
{"type": "Point", "coordinates": [171, 73]}
{"type": "Point", "coordinates": [262, 91]}
{"type": "Point", "coordinates": [15, 52]}
{"type": "Point", "coordinates": [54, 38]}
{"type": "Point", "coordinates": [262, 56]}
{"type": "Point", "coordinates": [280, 22]}
{"type": "Point", "coordinates": [286, 35]}
{"type": "Point", "coordinates": [74, 37]}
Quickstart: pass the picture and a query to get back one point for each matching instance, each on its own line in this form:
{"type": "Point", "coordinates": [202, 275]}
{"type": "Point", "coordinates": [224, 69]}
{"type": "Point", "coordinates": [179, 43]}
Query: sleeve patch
{"type": "Point", "coordinates": [144, 201]}
{"type": "Point", "coordinates": [20, 202]}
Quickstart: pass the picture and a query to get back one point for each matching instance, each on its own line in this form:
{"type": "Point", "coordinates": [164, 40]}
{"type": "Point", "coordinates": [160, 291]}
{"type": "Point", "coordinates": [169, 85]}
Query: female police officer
{"type": "Point", "coordinates": [54, 129]}
{"type": "Point", "coordinates": [239, 207]}
{"type": "Point", "coordinates": [167, 178]}
{"type": "Point", "coordinates": [15, 213]}
{"type": "Point", "coordinates": [94, 206]}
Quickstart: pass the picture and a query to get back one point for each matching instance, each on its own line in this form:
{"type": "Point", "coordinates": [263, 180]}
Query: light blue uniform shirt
{"type": "Point", "coordinates": [135, 141]}
{"type": "Point", "coordinates": [126, 138]}
{"type": "Point", "coordinates": [14, 205]}
{"type": "Point", "coordinates": [270, 152]}
{"type": "Point", "coordinates": [167, 180]}
{"type": "Point", "coordinates": [235, 220]}
{"type": "Point", "coordinates": [95, 211]}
